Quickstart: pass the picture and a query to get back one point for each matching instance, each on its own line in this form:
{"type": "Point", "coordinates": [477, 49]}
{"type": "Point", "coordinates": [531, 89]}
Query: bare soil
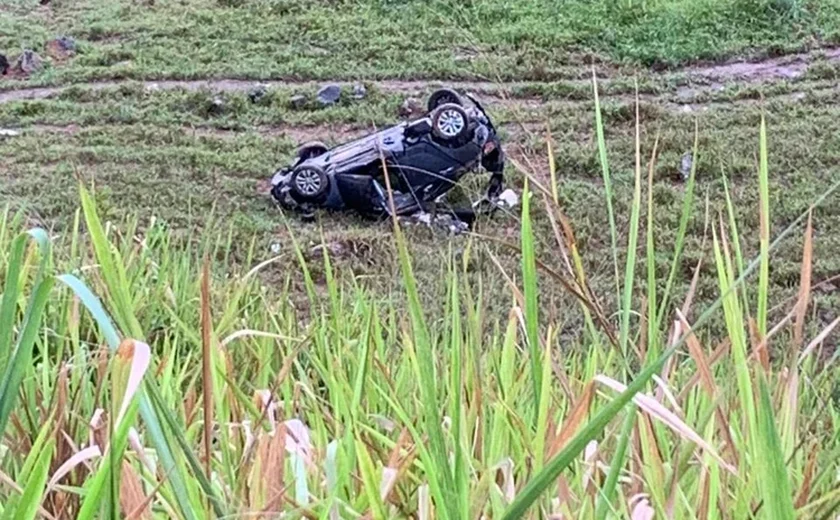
{"type": "Point", "coordinates": [790, 67]}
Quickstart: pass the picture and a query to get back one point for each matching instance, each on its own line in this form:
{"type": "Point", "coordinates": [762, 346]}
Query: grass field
{"type": "Point", "coordinates": [533, 40]}
{"type": "Point", "coordinates": [350, 326]}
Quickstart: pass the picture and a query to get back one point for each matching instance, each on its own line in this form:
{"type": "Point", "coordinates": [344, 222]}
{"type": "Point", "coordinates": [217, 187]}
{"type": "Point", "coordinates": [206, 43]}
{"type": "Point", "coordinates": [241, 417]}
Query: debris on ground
{"type": "Point", "coordinates": [297, 101]}
{"type": "Point", "coordinates": [440, 221]}
{"type": "Point", "coordinates": [4, 64]}
{"type": "Point", "coordinates": [359, 91]}
{"type": "Point", "coordinates": [29, 62]}
{"type": "Point", "coordinates": [509, 198]}
{"type": "Point", "coordinates": [8, 132]}
{"type": "Point", "coordinates": [152, 87]}
{"type": "Point", "coordinates": [329, 95]}
{"type": "Point", "coordinates": [411, 107]}
{"type": "Point", "coordinates": [257, 93]}
{"type": "Point", "coordinates": [685, 165]}
{"type": "Point", "coordinates": [61, 48]}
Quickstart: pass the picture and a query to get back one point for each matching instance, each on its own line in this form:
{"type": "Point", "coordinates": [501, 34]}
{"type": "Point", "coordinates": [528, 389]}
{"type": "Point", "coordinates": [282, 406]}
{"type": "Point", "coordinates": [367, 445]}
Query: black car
{"type": "Point", "coordinates": [423, 158]}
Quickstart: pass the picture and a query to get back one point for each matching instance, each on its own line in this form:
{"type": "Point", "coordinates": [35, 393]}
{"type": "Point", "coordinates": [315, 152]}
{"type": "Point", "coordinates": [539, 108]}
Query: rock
{"type": "Point", "coordinates": [685, 165]}
{"type": "Point", "coordinates": [28, 63]}
{"type": "Point", "coordinates": [359, 91]}
{"type": "Point", "coordinates": [297, 101]}
{"type": "Point", "coordinates": [411, 107]}
{"type": "Point", "coordinates": [329, 95]}
{"type": "Point", "coordinates": [67, 43]}
{"type": "Point", "coordinates": [217, 106]}
{"type": "Point", "coordinates": [61, 48]}
{"type": "Point", "coordinates": [4, 64]}
{"type": "Point", "coordinates": [8, 132]}
{"type": "Point", "coordinates": [257, 93]}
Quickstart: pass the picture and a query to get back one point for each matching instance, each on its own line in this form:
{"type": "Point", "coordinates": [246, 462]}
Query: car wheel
{"type": "Point", "coordinates": [450, 122]}
{"type": "Point", "coordinates": [443, 96]}
{"type": "Point", "coordinates": [309, 183]}
{"type": "Point", "coordinates": [312, 149]}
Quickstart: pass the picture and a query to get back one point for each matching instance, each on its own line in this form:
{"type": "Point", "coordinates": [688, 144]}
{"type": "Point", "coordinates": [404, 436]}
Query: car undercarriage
{"type": "Point", "coordinates": [419, 161]}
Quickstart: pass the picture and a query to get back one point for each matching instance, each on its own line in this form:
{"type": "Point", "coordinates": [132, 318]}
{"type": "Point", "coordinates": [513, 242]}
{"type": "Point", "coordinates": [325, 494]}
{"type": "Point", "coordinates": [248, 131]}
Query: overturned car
{"type": "Point", "coordinates": [423, 159]}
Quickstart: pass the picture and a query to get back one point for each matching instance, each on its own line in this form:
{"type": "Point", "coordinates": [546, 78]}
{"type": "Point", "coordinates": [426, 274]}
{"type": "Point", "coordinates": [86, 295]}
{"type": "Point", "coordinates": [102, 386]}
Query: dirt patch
{"type": "Point", "coordinates": [785, 67]}
{"type": "Point", "coordinates": [788, 67]}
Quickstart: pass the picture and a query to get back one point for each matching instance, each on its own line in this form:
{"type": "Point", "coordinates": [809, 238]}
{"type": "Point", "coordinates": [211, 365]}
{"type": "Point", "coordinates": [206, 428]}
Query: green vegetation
{"type": "Point", "coordinates": [161, 155]}
{"type": "Point", "coordinates": [350, 407]}
{"type": "Point", "coordinates": [636, 338]}
{"type": "Point", "coordinates": [330, 39]}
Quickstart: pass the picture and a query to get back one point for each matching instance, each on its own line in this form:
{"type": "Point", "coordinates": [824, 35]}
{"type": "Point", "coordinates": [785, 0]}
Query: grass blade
{"type": "Point", "coordinates": [30, 501]}
{"type": "Point", "coordinates": [605, 174]}
{"type": "Point", "coordinates": [20, 360]}
{"type": "Point", "coordinates": [529, 281]}
{"type": "Point", "coordinates": [772, 474]}
{"type": "Point", "coordinates": [630, 265]}
{"type": "Point", "coordinates": [607, 490]}
{"type": "Point", "coordinates": [764, 224]}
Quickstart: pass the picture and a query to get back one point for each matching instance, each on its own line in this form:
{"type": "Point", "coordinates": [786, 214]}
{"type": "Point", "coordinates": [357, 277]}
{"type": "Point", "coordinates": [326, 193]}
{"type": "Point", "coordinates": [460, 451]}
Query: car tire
{"type": "Point", "coordinates": [450, 123]}
{"type": "Point", "coordinates": [309, 183]}
{"type": "Point", "coordinates": [311, 149]}
{"type": "Point", "coordinates": [442, 97]}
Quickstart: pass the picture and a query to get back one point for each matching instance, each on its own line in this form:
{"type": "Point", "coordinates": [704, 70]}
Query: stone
{"type": "Point", "coordinates": [217, 106]}
{"type": "Point", "coordinates": [61, 48]}
{"type": "Point", "coordinates": [67, 43]}
{"type": "Point", "coordinates": [297, 101]}
{"type": "Point", "coordinates": [359, 91]}
{"type": "Point", "coordinates": [29, 62]}
{"type": "Point", "coordinates": [329, 95]}
{"type": "Point", "coordinates": [685, 165]}
{"type": "Point", "coordinates": [411, 107]}
{"type": "Point", "coordinates": [8, 132]}
{"type": "Point", "coordinates": [257, 93]}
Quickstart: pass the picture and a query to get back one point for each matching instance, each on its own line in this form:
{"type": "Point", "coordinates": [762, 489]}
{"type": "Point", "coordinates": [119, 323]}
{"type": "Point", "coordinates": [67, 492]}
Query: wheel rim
{"type": "Point", "coordinates": [308, 182]}
{"type": "Point", "coordinates": [450, 122]}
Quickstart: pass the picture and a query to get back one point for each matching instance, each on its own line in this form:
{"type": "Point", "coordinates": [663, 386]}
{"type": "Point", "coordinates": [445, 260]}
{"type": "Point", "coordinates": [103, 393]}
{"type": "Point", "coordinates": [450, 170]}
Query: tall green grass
{"type": "Point", "coordinates": [156, 381]}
